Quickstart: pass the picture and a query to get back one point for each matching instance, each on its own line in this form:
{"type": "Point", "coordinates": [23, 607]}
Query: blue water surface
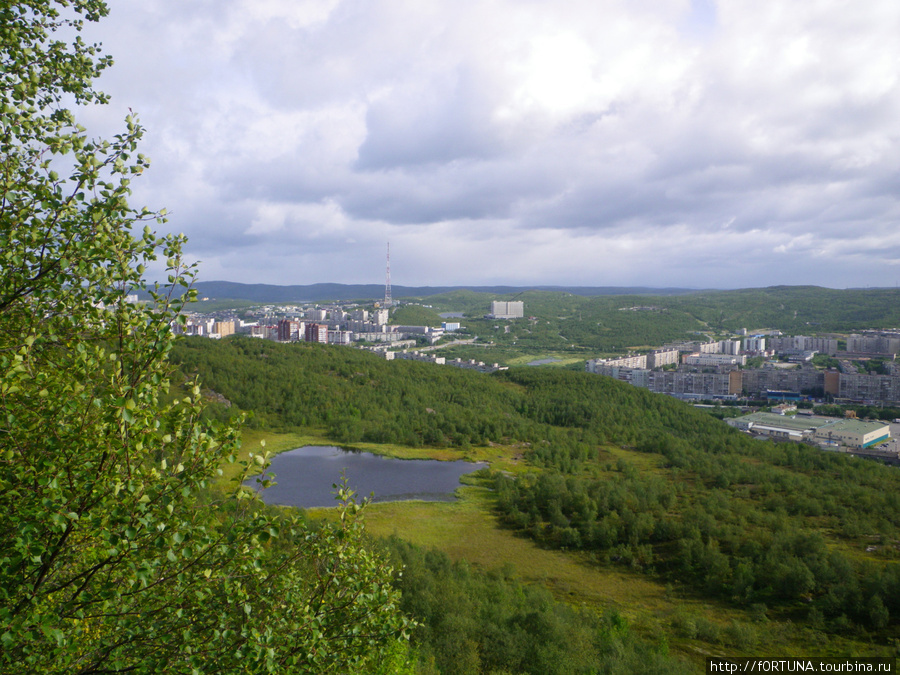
{"type": "Point", "coordinates": [305, 477]}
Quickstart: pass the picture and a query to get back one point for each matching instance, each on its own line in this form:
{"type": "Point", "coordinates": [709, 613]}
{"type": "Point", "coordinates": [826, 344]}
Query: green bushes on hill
{"type": "Point", "coordinates": [476, 622]}
{"type": "Point", "coordinates": [632, 476]}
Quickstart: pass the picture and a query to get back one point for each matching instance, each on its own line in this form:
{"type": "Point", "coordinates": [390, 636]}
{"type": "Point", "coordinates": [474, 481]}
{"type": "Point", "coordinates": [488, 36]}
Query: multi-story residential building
{"type": "Point", "coordinates": [882, 345]}
{"type": "Point", "coordinates": [661, 357]}
{"type": "Point", "coordinates": [755, 344]}
{"type": "Point", "coordinates": [316, 332]}
{"type": "Point", "coordinates": [678, 383]}
{"type": "Point", "coordinates": [340, 337]}
{"type": "Point", "coordinates": [635, 376]}
{"type": "Point", "coordinates": [290, 330]}
{"type": "Point", "coordinates": [757, 381]}
{"type": "Point", "coordinates": [507, 310]}
{"type": "Point", "coordinates": [714, 360]}
{"type": "Point", "coordinates": [420, 356]}
{"type": "Point", "coordinates": [730, 347]}
{"type": "Point", "coordinates": [803, 343]}
{"type": "Point", "coordinates": [223, 328]}
{"type": "Point", "coordinates": [631, 361]}
{"type": "Point", "coordinates": [869, 388]}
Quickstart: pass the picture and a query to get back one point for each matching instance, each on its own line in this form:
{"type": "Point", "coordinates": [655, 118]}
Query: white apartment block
{"type": "Point", "coordinates": [636, 361]}
{"type": "Point", "coordinates": [873, 344]}
{"type": "Point", "coordinates": [340, 337]}
{"type": "Point", "coordinates": [730, 347]}
{"type": "Point", "coordinates": [757, 343]}
{"type": "Point", "coordinates": [714, 360]}
{"type": "Point", "coordinates": [507, 310]}
{"type": "Point", "coordinates": [662, 357]}
{"type": "Point", "coordinates": [803, 343]}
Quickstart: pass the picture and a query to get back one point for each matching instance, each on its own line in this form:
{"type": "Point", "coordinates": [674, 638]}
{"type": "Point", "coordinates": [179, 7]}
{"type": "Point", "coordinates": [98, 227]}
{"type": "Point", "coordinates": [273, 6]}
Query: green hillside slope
{"type": "Point", "coordinates": [617, 471]}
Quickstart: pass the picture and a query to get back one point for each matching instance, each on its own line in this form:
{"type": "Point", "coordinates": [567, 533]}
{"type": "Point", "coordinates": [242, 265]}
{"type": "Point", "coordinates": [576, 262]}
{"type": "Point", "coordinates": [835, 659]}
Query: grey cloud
{"type": "Point", "coordinates": [373, 119]}
{"type": "Point", "coordinates": [444, 121]}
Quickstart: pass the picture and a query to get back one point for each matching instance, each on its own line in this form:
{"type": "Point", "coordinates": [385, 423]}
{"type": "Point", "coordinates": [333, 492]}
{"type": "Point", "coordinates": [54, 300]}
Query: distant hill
{"type": "Point", "coordinates": [220, 290]}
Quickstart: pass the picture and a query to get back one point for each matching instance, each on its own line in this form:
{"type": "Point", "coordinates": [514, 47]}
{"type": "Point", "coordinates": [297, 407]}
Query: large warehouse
{"type": "Point", "coordinates": [854, 433]}
{"type": "Point", "coordinates": [850, 432]}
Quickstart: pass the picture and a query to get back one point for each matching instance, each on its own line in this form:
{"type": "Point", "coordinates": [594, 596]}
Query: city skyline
{"type": "Point", "coordinates": [678, 143]}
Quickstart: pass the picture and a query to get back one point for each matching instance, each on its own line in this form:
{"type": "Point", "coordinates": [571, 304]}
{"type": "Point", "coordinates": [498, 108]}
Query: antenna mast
{"type": "Point", "coordinates": [387, 281]}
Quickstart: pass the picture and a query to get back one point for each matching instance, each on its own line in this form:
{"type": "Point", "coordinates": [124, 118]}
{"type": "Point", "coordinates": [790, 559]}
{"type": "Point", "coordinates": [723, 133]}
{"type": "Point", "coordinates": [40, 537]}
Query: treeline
{"type": "Point", "coordinates": [873, 412]}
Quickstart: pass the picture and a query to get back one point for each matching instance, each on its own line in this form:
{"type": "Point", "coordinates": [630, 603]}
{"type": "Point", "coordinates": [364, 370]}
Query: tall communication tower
{"type": "Point", "coordinates": [387, 281]}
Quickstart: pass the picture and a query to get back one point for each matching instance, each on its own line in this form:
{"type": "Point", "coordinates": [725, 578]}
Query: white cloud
{"type": "Point", "coordinates": [581, 138]}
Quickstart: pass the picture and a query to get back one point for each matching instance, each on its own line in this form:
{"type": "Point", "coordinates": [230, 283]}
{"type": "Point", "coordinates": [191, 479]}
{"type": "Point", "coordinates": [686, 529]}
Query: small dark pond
{"type": "Point", "coordinates": [305, 477]}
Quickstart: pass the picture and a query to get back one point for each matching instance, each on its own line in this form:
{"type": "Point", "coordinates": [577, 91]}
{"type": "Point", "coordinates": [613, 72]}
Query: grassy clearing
{"type": "Point", "coordinates": [468, 530]}
{"type": "Point", "coordinates": [562, 359]}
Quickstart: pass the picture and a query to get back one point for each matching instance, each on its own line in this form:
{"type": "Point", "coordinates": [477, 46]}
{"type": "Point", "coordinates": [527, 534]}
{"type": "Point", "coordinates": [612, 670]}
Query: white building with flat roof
{"type": "Point", "coordinates": [501, 309]}
{"type": "Point", "coordinates": [714, 360]}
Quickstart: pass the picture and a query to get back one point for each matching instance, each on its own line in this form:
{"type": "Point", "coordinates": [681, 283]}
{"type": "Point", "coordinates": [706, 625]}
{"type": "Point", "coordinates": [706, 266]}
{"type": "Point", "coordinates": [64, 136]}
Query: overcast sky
{"type": "Point", "coordinates": [691, 143]}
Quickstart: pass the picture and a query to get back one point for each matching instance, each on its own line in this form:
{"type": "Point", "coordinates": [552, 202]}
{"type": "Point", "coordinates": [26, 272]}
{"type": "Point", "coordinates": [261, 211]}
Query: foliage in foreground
{"type": "Point", "coordinates": [116, 555]}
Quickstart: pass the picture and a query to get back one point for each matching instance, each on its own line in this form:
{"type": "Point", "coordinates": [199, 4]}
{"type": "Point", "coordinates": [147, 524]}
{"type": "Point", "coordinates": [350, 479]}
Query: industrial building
{"type": "Point", "coordinates": [852, 433]}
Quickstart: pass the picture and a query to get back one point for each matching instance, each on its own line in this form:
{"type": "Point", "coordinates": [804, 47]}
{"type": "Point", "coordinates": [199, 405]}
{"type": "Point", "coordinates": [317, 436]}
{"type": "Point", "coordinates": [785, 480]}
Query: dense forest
{"type": "Point", "coordinates": [635, 478]}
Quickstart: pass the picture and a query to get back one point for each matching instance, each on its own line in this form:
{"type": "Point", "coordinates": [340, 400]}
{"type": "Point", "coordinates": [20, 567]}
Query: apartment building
{"type": "Point", "coordinates": [882, 345]}
{"type": "Point", "coordinates": [662, 357]}
{"type": "Point", "coordinates": [631, 361]}
{"type": "Point", "coordinates": [316, 332]}
{"type": "Point", "coordinates": [507, 310]}
{"type": "Point", "coordinates": [714, 360]}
